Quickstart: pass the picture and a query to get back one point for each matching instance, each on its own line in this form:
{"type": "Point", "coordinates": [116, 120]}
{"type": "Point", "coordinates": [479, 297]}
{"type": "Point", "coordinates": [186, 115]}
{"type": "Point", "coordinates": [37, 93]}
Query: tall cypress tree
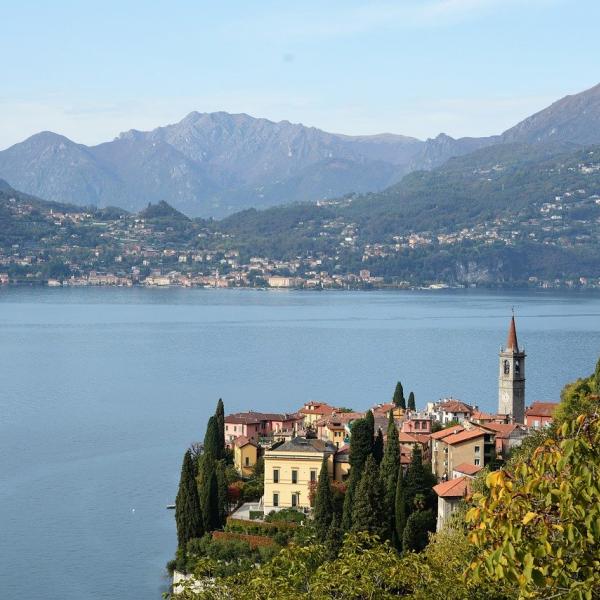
{"type": "Point", "coordinates": [418, 526]}
{"type": "Point", "coordinates": [419, 482]}
{"type": "Point", "coordinates": [378, 447]}
{"type": "Point", "coordinates": [367, 513]}
{"type": "Point", "coordinates": [361, 443]}
{"type": "Point", "coordinates": [353, 482]}
{"type": "Point", "coordinates": [370, 419]}
{"type": "Point", "coordinates": [221, 492]}
{"type": "Point", "coordinates": [220, 416]}
{"type": "Point", "coordinates": [209, 495]}
{"type": "Point", "coordinates": [188, 515]}
{"type": "Point", "coordinates": [212, 443]}
{"type": "Point", "coordinates": [411, 402]}
{"type": "Point", "coordinates": [399, 509]}
{"type": "Point", "coordinates": [398, 398]}
{"type": "Point", "coordinates": [389, 470]}
{"type": "Point", "coordinates": [323, 510]}
{"type": "Point", "coordinates": [334, 537]}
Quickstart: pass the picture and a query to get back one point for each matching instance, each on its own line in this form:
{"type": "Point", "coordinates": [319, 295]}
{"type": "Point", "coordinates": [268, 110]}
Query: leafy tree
{"type": "Point", "coordinates": [323, 509]}
{"type": "Point", "coordinates": [399, 508]}
{"type": "Point", "coordinates": [212, 442]}
{"type": "Point", "coordinates": [416, 532]}
{"type": "Point", "coordinates": [398, 398]}
{"type": "Point", "coordinates": [419, 483]}
{"type": "Point", "coordinates": [188, 515]}
{"type": "Point", "coordinates": [368, 509]}
{"type": "Point", "coordinates": [538, 525]}
{"type": "Point", "coordinates": [378, 447]}
{"type": "Point", "coordinates": [411, 402]}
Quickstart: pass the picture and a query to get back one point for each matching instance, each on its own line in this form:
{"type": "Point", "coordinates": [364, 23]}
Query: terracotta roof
{"type": "Point", "coordinates": [383, 408]}
{"type": "Point", "coordinates": [453, 488]}
{"type": "Point", "coordinates": [407, 438]}
{"type": "Point", "coordinates": [463, 436]}
{"type": "Point", "coordinates": [320, 408]}
{"type": "Point", "coordinates": [242, 441]}
{"type": "Point", "coordinates": [455, 406]}
{"type": "Point", "coordinates": [481, 415]}
{"type": "Point", "coordinates": [502, 430]}
{"type": "Point", "coordinates": [541, 409]}
{"type": "Point", "coordinates": [511, 341]}
{"type": "Point", "coordinates": [443, 433]}
{"type": "Point", "coordinates": [468, 468]}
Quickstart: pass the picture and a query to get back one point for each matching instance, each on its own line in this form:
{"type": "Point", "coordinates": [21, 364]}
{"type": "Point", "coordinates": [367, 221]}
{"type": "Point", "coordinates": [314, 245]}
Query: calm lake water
{"type": "Point", "coordinates": [103, 389]}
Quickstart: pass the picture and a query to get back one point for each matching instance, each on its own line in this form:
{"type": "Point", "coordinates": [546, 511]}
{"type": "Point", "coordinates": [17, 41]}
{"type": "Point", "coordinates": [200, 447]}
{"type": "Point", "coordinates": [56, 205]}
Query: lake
{"type": "Point", "coordinates": [102, 390]}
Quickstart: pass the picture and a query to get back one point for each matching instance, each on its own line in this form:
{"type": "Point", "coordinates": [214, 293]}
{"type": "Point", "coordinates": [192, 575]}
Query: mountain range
{"type": "Point", "coordinates": [214, 164]}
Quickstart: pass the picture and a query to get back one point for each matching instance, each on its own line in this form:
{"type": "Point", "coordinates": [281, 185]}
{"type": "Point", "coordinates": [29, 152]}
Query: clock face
{"type": "Point", "coordinates": [505, 396]}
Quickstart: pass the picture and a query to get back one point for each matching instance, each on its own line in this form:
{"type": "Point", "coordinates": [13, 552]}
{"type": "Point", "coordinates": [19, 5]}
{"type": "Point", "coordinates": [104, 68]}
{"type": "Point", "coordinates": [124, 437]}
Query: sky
{"type": "Point", "coordinates": [89, 70]}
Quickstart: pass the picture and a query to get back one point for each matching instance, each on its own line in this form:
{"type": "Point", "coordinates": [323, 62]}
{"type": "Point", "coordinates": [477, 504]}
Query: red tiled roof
{"type": "Point", "coordinates": [407, 438]}
{"type": "Point", "coordinates": [453, 488]}
{"type": "Point", "coordinates": [320, 408]}
{"type": "Point", "coordinates": [541, 409]}
{"type": "Point", "coordinates": [481, 415]}
{"type": "Point", "coordinates": [511, 341]}
{"type": "Point", "coordinates": [242, 441]}
{"type": "Point", "coordinates": [247, 418]}
{"type": "Point", "coordinates": [443, 433]}
{"type": "Point", "coordinates": [455, 406]}
{"type": "Point", "coordinates": [463, 436]}
{"type": "Point", "coordinates": [503, 430]}
{"type": "Point", "coordinates": [468, 468]}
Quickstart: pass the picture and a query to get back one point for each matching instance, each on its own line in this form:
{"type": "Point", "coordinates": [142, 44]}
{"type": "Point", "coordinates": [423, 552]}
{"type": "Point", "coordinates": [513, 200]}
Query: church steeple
{"type": "Point", "coordinates": [511, 378]}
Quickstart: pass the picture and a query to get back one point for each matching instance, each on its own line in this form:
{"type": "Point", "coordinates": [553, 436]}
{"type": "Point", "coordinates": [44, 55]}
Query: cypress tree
{"type": "Point", "coordinates": [188, 515]}
{"type": "Point", "coordinates": [221, 492]}
{"type": "Point", "coordinates": [323, 510]}
{"type": "Point", "coordinates": [378, 447]}
{"type": "Point", "coordinates": [353, 481]}
{"type": "Point", "coordinates": [361, 444]}
{"type": "Point", "coordinates": [209, 495]}
{"type": "Point", "coordinates": [220, 416]}
{"type": "Point", "coordinates": [399, 509]}
{"type": "Point", "coordinates": [334, 537]}
{"type": "Point", "coordinates": [411, 402]}
{"type": "Point", "coordinates": [389, 470]}
{"type": "Point", "coordinates": [398, 398]}
{"type": "Point", "coordinates": [419, 482]}
{"type": "Point", "coordinates": [367, 512]}
{"type": "Point", "coordinates": [418, 526]}
{"type": "Point", "coordinates": [370, 419]}
{"type": "Point", "coordinates": [212, 444]}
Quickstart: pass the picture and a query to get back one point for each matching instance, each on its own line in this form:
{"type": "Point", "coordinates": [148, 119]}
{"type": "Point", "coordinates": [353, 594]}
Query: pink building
{"type": "Point", "coordinates": [539, 414]}
{"type": "Point", "coordinates": [416, 423]}
{"type": "Point", "coordinates": [254, 425]}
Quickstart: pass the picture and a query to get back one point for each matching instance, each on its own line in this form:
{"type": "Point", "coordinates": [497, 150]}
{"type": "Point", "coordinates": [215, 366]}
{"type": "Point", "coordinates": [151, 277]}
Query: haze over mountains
{"type": "Point", "coordinates": [213, 164]}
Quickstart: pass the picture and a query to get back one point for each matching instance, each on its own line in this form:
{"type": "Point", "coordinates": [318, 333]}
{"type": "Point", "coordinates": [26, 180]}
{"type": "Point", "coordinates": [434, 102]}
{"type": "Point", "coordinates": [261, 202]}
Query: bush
{"type": "Point", "coordinates": [285, 515]}
{"type": "Point", "coordinates": [256, 514]}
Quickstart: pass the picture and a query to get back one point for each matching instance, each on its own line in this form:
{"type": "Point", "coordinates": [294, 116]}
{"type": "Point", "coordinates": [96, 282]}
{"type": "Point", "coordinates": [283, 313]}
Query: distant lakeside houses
{"type": "Point", "coordinates": [456, 438]}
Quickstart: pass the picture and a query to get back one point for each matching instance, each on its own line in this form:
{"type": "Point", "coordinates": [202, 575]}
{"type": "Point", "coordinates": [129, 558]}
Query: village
{"type": "Point", "coordinates": [458, 440]}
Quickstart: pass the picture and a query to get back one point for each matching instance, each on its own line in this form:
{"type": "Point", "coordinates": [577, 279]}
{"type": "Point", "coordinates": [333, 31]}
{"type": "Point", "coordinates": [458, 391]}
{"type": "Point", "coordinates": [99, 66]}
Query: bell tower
{"type": "Point", "coordinates": [511, 378]}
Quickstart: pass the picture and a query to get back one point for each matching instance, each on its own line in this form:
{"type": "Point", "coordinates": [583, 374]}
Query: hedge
{"type": "Point", "coordinates": [257, 527]}
{"type": "Point", "coordinates": [254, 541]}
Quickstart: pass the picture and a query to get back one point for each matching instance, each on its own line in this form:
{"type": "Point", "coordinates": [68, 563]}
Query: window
{"type": "Point", "coordinates": [477, 449]}
{"type": "Point", "coordinates": [313, 475]}
{"type": "Point", "coordinates": [506, 367]}
{"type": "Point", "coordinates": [294, 500]}
{"type": "Point", "coordinates": [275, 475]}
{"type": "Point", "coordinates": [294, 476]}
{"type": "Point", "coordinates": [247, 461]}
{"type": "Point", "coordinates": [476, 461]}
{"type": "Point", "coordinates": [275, 499]}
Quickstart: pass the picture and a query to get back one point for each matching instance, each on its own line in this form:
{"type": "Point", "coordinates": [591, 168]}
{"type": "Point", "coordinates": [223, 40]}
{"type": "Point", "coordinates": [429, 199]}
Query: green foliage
{"type": "Point", "coordinates": [209, 494]}
{"type": "Point", "coordinates": [334, 537]}
{"type": "Point", "coordinates": [398, 398]}
{"type": "Point", "coordinates": [539, 524]}
{"type": "Point", "coordinates": [323, 508]}
{"type": "Point", "coordinates": [188, 515]}
{"type": "Point", "coordinates": [223, 505]}
{"type": "Point", "coordinates": [416, 532]}
{"type": "Point", "coordinates": [368, 512]}
{"type": "Point", "coordinates": [361, 443]}
{"type": "Point", "coordinates": [285, 515]}
{"type": "Point", "coordinates": [370, 419]}
{"type": "Point", "coordinates": [220, 417]}
{"type": "Point", "coordinates": [353, 482]}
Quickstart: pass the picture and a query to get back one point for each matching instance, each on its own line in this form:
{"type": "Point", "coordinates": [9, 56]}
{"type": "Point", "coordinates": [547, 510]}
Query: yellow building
{"type": "Point", "coordinates": [245, 455]}
{"type": "Point", "coordinates": [289, 470]}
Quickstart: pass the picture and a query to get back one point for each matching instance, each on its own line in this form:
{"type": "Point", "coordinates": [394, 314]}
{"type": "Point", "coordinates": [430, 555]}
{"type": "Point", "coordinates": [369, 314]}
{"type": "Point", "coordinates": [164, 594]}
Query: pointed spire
{"type": "Point", "coordinates": [511, 341]}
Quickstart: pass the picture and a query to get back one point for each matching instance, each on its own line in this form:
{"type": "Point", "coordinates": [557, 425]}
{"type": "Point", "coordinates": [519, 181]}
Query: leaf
{"type": "Point", "coordinates": [528, 517]}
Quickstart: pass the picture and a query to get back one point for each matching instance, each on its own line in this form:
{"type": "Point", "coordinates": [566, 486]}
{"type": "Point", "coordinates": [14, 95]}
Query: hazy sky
{"type": "Point", "coordinates": [91, 69]}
